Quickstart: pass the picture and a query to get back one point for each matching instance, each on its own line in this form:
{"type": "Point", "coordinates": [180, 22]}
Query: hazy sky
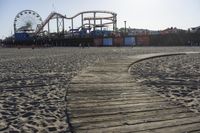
{"type": "Point", "coordinates": [147, 14]}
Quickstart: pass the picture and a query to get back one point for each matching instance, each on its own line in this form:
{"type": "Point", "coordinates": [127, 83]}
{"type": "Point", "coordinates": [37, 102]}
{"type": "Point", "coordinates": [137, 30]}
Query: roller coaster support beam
{"type": "Point", "coordinates": [63, 26]}
{"type": "Point", "coordinates": [94, 21]}
{"type": "Point", "coordinates": [57, 24]}
{"type": "Point", "coordinates": [15, 28]}
{"type": "Point", "coordinates": [101, 24]}
{"type": "Point", "coordinates": [72, 26]}
{"type": "Point", "coordinates": [89, 26]}
{"type": "Point", "coordinates": [82, 19]}
{"type": "Point", "coordinates": [115, 22]}
{"type": "Point", "coordinates": [48, 28]}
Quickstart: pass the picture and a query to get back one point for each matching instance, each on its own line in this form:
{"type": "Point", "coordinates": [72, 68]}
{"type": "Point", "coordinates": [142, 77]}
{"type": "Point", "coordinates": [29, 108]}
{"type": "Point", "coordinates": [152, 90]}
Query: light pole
{"type": "Point", "coordinates": [125, 26]}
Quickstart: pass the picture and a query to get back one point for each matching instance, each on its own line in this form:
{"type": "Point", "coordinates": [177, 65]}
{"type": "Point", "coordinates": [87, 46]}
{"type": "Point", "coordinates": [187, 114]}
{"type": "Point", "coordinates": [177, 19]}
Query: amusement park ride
{"type": "Point", "coordinates": [29, 26]}
{"type": "Point", "coordinates": [88, 28]}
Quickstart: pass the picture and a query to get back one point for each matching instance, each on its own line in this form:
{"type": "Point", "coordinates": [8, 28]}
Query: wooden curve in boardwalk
{"type": "Point", "coordinates": [104, 98]}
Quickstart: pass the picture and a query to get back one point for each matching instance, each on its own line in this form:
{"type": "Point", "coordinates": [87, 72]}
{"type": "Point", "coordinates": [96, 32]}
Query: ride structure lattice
{"type": "Point", "coordinates": [90, 21]}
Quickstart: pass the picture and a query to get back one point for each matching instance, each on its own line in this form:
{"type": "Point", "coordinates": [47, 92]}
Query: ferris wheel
{"type": "Point", "coordinates": [27, 21]}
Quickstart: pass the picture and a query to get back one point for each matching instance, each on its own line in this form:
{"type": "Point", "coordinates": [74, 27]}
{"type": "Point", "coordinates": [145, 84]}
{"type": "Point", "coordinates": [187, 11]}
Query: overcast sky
{"type": "Point", "coordinates": [147, 14]}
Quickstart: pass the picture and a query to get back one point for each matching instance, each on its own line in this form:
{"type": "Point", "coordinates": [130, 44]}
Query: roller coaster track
{"type": "Point", "coordinates": [85, 12]}
{"type": "Point", "coordinates": [53, 14]}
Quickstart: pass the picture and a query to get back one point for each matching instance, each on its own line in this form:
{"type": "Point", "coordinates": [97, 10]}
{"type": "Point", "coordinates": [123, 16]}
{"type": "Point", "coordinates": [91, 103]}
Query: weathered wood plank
{"type": "Point", "coordinates": [116, 106]}
{"type": "Point", "coordinates": [113, 103]}
{"type": "Point", "coordinates": [133, 115]}
{"type": "Point", "coordinates": [89, 101]}
{"type": "Point", "coordinates": [107, 97]}
{"type": "Point", "coordinates": [184, 128]}
{"type": "Point", "coordinates": [119, 110]}
{"type": "Point", "coordinates": [131, 120]}
{"type": "Point", "coordinates": [150, 125]}
{"type": "Point", "coordinates": [111, 95]}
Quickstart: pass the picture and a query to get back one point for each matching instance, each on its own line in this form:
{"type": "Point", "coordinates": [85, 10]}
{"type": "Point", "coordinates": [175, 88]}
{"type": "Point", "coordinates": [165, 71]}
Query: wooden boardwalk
{"type": "Point", "coordinates": [105, 98]}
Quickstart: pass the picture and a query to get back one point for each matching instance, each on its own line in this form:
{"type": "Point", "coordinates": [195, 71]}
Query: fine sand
{"type": "Point", "coordinates": [33, 83]}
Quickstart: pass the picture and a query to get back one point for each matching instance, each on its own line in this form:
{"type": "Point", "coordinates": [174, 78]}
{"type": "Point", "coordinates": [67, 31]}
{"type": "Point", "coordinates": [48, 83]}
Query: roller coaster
{"type": "Point", "coordinates": [30, 28]}
{"type": "Point", "coordinates": [91, 23]}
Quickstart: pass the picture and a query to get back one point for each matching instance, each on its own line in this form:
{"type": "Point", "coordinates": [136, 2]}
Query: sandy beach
{"type": "Point", "coordinates": [33, 83]}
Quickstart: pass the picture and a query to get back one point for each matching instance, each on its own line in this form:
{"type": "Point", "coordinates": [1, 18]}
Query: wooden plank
{"type": "Point", "coordinates": [112, 103]}
{"type": "Point", "coordinates": [89, 101]}
{"type": "Point", "coordinates": [84, 85]}
{"type": "Point", "coordinates": [82, 89]}
{"type": "Point", "coordinates": [118, 110]}
{"type": "Point", "coordinates": [184, 128]}
{"type": "Point", "coordinates": [119, 106]}
{"type": "Point", "coordinates": [152, 113]}
{"type": "Point", "coordinates": [150, 125]}
{"type": "Point", "coordinates": [107, 97]}
{"type": "Point", "coordinates": [79, 89]}
{"type": "Point", "coordinates": [110, 94]}
{"type": "Point", "coordinates": [131, 120]}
